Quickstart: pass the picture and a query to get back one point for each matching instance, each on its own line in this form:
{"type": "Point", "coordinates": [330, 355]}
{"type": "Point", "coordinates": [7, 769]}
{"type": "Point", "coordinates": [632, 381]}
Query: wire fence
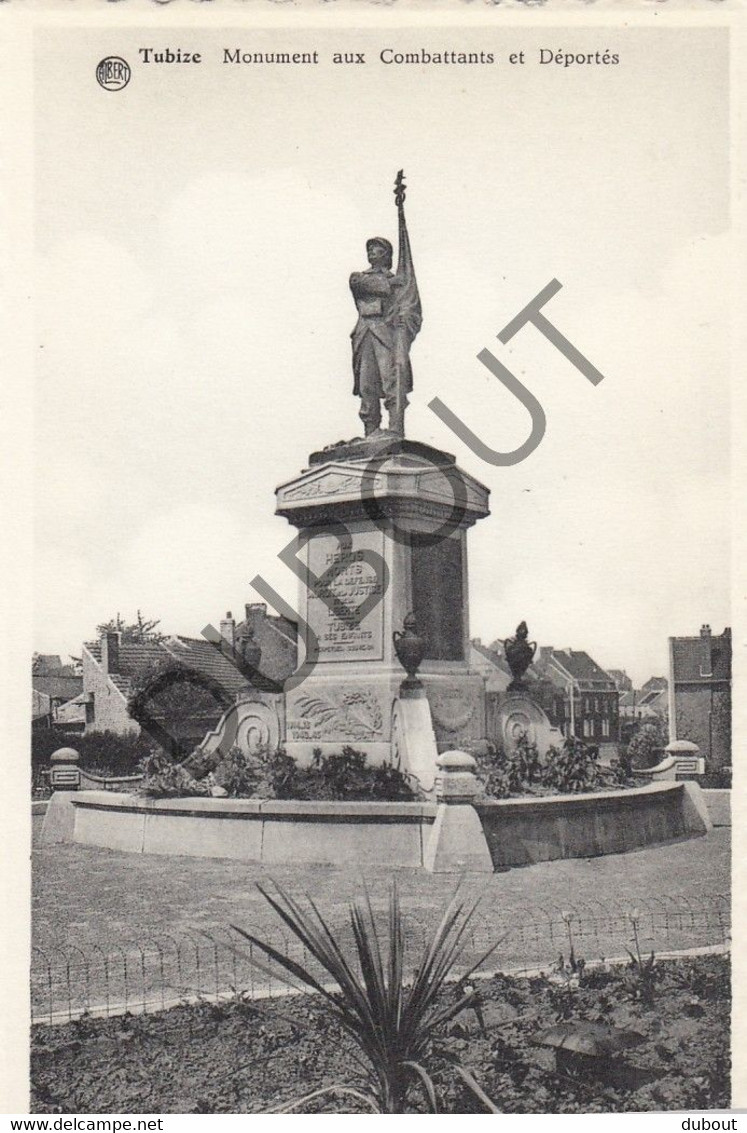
{"type": "Point", "coordinates": [152, 974]}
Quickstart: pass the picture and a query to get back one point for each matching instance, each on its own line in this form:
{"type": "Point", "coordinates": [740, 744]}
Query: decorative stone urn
{"type": "Point", "coordinates": [410, 648]}
{"type": "Point", "coordinates": [519, 655]}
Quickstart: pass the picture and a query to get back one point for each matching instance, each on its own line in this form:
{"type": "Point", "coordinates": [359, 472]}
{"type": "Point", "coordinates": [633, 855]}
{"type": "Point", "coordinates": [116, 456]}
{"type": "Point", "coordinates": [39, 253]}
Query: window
{"type": "Point", "coordinates": [605, 728]}
{"type": "Point", "coordinates": [596, 703]}
{"type": "Point", "coordinates": [90, 709]}
{"type": "Point", "coordinates": [588, 728]}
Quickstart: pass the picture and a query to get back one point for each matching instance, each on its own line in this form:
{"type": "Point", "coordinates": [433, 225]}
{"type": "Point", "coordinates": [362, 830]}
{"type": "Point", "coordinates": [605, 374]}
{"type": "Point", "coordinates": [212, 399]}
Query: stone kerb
{"type": "Point", "coordinates": [457, 842]}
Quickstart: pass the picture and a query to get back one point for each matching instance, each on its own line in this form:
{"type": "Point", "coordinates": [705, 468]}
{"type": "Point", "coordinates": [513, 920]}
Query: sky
{"type": "Point", "coordinates": [194, 237]}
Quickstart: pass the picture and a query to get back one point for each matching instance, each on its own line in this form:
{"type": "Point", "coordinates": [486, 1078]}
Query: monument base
{"type": "Point", "coordinates": [355, 704]}
{"type": "Point", "coordinates": [383, 525]}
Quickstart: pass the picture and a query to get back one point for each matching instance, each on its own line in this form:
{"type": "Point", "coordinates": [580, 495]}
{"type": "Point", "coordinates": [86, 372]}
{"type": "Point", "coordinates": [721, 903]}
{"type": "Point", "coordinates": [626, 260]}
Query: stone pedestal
{"type": "Point", "coordinates": [414, 746]}
{"type": "Point", "coordinates": [385, 526]}
{"type": "Point", "coordinates": [64, 774]}
{"type": "Point", "coordinates": [457, 842]}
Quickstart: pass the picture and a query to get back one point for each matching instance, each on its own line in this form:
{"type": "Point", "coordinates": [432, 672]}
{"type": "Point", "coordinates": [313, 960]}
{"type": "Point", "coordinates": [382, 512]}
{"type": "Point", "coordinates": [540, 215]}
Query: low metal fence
{"type": "Point", "coordinates": [154, 973]}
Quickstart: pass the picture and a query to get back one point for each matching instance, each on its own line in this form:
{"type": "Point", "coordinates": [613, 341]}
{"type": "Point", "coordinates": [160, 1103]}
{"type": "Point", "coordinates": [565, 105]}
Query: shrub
{"type": "Point", "coordinates": [646, 748]}
{"type": "Point", "coordinates": [573, 767]}
{"type": "Point", "coordinates": [621, 768]}
{"type": "Point", "coordinates": [276, 775]}
{"type": "Point", "coordinates": [100, 752]}
{"type": "Point", "coordinates": [238, 774]}
{"type": "Point", "coordinates": [511, 773]}
{"type": "Point", "coordinates": [163, 778]}
{"type": "Point", "coordinates": [282, 774]}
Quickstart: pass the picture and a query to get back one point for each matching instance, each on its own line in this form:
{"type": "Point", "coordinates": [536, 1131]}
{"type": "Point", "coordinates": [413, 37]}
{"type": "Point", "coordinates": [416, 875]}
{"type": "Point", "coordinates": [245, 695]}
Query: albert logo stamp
{"type": "Point", "coordinates": [113, 73]}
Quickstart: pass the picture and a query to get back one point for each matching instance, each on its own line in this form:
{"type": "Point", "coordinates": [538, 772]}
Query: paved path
{"type": "Point", "coordinates": [95, 896]}
{"type": "Point", "coordinates": [115, 928]}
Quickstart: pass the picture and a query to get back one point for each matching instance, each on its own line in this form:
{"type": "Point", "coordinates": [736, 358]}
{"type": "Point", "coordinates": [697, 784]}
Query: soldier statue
{"type": "Point", "coordinates": [389, 317]}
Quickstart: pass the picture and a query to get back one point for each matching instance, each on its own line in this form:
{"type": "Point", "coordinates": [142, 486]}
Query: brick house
{"type": "Point", "coordinates": [113, 666]}
{"type": "Point", "coordinates": [700, 694]}
{"type": "Point", "coordinates": [596, 717]}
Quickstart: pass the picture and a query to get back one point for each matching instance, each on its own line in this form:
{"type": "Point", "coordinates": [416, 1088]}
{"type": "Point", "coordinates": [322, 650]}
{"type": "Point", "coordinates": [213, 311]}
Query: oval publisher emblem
{"type": "Point", "coordinates": [113, 73]}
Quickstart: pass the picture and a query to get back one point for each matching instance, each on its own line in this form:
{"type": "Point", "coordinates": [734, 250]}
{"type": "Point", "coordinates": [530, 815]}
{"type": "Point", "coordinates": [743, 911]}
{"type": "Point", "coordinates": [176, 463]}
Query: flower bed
{"type": "Point", "coordinates": [243, 1057]}
{"type": "Point", "coordinates": [574, 768]}
{"type": "Point", "coordinates": [344, 776]}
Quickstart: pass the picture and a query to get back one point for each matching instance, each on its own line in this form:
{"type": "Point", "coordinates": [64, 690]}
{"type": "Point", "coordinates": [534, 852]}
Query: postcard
{"type": "Point", "coordinates": [376, 462]}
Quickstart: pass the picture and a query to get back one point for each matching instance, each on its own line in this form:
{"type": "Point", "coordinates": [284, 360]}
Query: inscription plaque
{"type": "Point", "coordinates": [438, 598]}
{"type": "Point", "coordinates": [339, 637]}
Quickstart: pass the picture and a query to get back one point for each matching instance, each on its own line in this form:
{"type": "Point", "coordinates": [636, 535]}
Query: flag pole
{"type": "Point", "coordinates": [399, 345]}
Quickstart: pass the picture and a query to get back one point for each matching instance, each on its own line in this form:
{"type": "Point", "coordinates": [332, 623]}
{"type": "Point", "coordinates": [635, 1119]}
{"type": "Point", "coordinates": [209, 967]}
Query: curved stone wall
{"type": "Point", "coordinates": [518, 831]}
{"type": "Point", "coordinates": [528, 830]}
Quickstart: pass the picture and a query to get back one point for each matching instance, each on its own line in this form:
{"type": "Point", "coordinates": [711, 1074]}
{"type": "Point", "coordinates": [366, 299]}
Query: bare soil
{"type": "Point", "coordinates": [243, 1057]}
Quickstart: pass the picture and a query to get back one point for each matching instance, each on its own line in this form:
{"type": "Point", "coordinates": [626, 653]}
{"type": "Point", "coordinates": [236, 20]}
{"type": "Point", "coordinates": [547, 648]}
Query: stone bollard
{"type": "Point", "coordinates": [688, 760]}
{"type": "Point", "coordinates": [65, 773]}
{"type": "Point", "coordinates": [457, 841]}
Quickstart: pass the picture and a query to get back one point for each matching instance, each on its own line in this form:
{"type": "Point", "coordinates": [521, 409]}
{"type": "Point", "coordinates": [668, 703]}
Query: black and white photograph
{"type": "Point", "coordinates": [380, 484]}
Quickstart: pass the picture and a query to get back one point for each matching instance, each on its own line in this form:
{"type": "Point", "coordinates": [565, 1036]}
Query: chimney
{"type": "Point", "coordinates": [110, 651]}
{"type": "Point", "coordinates": [228, 629]}
{"type": "Point", "coordinates": [706, 658]}
{"type": "Point", "coordinates": [254, 614]}
{"type": "Point", "coordinates": [544, 655]}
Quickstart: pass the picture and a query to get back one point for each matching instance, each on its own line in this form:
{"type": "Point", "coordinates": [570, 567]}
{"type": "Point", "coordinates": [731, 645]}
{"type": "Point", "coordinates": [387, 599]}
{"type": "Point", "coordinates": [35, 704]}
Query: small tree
{"type": "Point", "coordinates": [143, 629]}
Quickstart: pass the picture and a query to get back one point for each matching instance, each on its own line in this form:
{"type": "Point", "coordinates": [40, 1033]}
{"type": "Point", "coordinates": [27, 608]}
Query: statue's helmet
{"type": "Point", "coordinates": [381, 242]}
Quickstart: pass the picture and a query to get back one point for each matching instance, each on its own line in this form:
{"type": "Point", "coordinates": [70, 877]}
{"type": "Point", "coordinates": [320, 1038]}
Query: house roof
{"type": "Point", "coordinates": [208, 660]}
{"type": "Point", "coordinates": [283, 626]}
{"type": "Point", "coordinates": [652, 696]}
{"type": "Point", "coordinates": [650, 703]}
{"type": "Point", "coordinates": [136, 658]}
{"type": "Point", "coordinates": [57, 687]}
{"type": "Point", "coordinates": [492, 656]}
{"type": "Point", "coordinates": [73, 711]}
{"type": "Point", "coordinates": [585, 671]}
{"type": "Point", "coordinates": [687, 655]}
{"type": "Point", "coordinates": [621, 679]}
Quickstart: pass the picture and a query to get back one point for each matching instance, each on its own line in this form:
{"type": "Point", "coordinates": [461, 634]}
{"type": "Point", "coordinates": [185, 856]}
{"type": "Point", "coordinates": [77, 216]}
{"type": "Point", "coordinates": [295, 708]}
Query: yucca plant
{"type": "Point", "coordinates": [392, 1020]}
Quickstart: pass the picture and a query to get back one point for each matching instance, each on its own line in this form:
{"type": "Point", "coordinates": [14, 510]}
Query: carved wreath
{"type": "Point", "coordinates": [358, 715]}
